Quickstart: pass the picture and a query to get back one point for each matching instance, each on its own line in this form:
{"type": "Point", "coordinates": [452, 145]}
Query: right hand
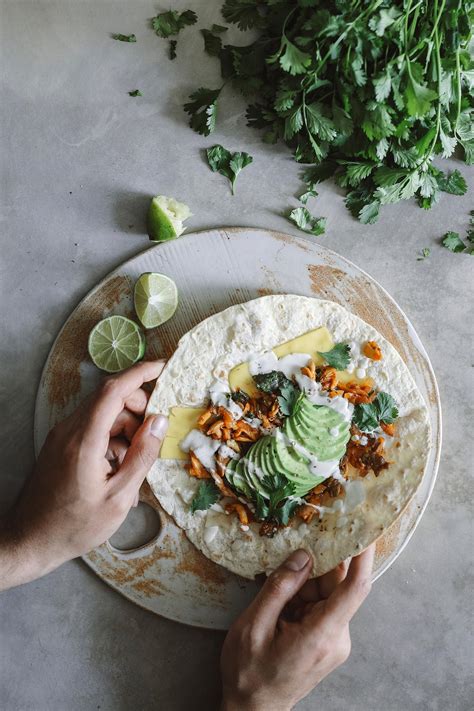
{"type": "Point", "coordinates": [293, 634]}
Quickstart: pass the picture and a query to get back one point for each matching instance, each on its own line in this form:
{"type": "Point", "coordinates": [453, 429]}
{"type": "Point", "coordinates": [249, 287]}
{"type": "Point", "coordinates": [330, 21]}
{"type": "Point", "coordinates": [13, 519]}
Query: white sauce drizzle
{"type": "Point", "coordinates": [290, 365]}
{"type": "Point", "coordinates": [334, 431]}
{"type": "Point", "coordinates": [360, 373]}
{"type": "Point", "coordinates": [314, 393]}
{"type": "Point", "coordinates": [316, 467]}
{"type": "Point", "coordinates": [226, 451]}
{"type": "Point", "coordinates": [220, 396]}
{"type": "Point", "coordinates": [354, 496]}
{"type": "Point", "coordinates": [203, 447]}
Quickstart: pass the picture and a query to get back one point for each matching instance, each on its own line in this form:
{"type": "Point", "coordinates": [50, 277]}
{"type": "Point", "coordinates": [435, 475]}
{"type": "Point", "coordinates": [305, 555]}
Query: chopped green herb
{"type": "Point", "coordinates": [367, 417]}
{"type": "Point", "coordinates": [425, 253]}
{"type": "Point", "coordinates": [271, 382]}
{"type": "Point", "coordinates": [206, 495]}
{"type": "Point", "coordinates": [338, 357]}
{"type": "Point", "coordinates": [226, 163]}
{"type": "Point", "coordinates": [218, 29]}
{"type": "Point", "coordinates": [135, 92]}
{"type": "Point", "coordinates": [172, 49]}
{"type": "Point", "coordinates": [124, 38]}
{"type": "Point", "coordinates": [170, 23]}
{"type": "Point", "coordinates": [307, 222]}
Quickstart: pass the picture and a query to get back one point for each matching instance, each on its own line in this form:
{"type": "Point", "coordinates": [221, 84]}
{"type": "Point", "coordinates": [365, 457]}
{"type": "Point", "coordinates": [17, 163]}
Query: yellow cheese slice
{"type": "Point", "coordinates": [183, 419]}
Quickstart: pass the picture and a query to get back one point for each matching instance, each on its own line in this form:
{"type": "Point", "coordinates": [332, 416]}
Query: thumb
{"type": "Point", "coordinates": [143, 451]}
{"type": "Point", "coordinates": [278, 590]}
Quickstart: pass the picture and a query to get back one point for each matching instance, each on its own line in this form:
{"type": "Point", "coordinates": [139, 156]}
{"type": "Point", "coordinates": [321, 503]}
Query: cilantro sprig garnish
{"type": "Point", "coordinates": [338, 357]}
{"type": "Point", "coordinates": [367, 417]}
{"type": "Point", "coordinates": [278, 507]}
{"type": "Point", "coordinates": [226, 163]}
{"type": "Point", "coordinates": [206, 495]}
{"type": "Point", "coordinates": [366, 93]}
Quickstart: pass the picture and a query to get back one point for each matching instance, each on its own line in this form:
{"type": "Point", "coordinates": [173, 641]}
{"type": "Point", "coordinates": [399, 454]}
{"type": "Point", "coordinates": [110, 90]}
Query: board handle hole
{"type": "Point", "coordinates": [140, 531]}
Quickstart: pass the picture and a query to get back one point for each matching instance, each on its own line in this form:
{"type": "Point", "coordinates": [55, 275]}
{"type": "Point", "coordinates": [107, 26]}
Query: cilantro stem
{"type": "Point", "coordinates": [458, 89]}
{"type": "Point", "coordinates": [342, 36]}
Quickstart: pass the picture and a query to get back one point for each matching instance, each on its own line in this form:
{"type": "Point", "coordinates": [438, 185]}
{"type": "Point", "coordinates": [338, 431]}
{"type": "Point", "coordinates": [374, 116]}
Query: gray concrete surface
{"type": "Point", "coordinates": [79, 160]}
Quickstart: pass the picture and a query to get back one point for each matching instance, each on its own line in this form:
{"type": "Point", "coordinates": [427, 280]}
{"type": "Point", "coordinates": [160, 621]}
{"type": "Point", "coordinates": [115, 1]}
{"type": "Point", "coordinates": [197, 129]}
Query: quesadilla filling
{"type": "Point", "coordinates": [298, 445]}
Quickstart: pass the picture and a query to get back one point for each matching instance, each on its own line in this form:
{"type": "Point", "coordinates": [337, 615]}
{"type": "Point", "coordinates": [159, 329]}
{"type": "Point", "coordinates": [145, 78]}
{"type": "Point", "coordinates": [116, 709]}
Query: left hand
{"type": "Point", "coordinates": [87, 477]}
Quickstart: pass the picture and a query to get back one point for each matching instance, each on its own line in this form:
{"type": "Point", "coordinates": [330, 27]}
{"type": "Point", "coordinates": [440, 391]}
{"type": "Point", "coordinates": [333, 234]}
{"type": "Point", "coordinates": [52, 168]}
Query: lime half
{"type": "Point", "coordinates": [116, 343]}
{"type": "Point", "coordinates": [165, 218]}
{"type": "Point", "coordinates": [156, 299]}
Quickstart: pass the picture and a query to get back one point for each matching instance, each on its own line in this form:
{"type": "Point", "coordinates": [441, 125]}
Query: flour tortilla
{"type": "Point", "coordinates": [211, 350]}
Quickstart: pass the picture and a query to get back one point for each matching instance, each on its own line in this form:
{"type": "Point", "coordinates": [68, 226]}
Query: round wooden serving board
{"type": "Point", "coordinates": [214, 270]}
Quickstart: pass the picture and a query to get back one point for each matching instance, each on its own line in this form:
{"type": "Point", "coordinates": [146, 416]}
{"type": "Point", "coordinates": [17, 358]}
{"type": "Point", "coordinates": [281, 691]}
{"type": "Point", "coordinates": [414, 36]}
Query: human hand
{"type": "Point", "coordinates": [293, 634]}
{"type": "Point", "coordinates": [86, 479]}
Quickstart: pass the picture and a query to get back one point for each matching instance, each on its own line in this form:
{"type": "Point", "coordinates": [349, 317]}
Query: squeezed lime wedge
{"type": "Point", "coordinates": [116, 343]}
{"type": "Point", "coordinates": [165, 218]}
{"type": "Point", "coordinates": [156, 299]}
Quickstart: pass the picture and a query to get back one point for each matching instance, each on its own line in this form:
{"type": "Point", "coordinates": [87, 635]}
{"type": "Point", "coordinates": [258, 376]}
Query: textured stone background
{"type": "Point", "coordinates": [80, 159]}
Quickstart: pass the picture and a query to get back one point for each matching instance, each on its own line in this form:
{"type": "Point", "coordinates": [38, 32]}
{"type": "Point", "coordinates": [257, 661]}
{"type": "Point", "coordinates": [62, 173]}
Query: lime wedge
{"type": "Point", "coordinates": [116, 343]}
{"type": "Point", "coordinates": [156, 299]}
{"type": "Point", "coordinates": [165, 218]}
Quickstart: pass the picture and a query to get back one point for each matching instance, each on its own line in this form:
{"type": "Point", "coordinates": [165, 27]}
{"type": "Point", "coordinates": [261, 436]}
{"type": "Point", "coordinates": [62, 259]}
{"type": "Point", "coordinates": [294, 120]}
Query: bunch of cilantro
{"type": "Point", "coordinates": [365, 91]}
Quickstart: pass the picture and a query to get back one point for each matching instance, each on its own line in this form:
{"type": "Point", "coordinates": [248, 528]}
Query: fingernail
{"type": "Point", "coordinates": [159, 426]}
{"type": "Point", "coordinates": [296, 561]}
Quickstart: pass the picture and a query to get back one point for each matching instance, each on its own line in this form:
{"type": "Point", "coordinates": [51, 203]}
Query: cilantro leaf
{"type": "Point", "coordinates": [304, 197]}
{"type": "Point", "coordinates": [237, 163]}
{"type": "Point", "coordinates": [284, 512]}
{"type": "Point", "coordinates": [170, 23]}
{"type": "Point", "coordinates": [453, 183]}
{"type": "Point", "coordinates": [287, 399]}
{"type": "Point", "coordinates": [367, 417]}
{"type": "Point", "coordinates": [135, 92]}
{"type": "Point", "coordinates": [172, 49]}
{"type": "Point", "coordinates": [387, 409]}
{"type": "Point", "coordinates": [203, 110]}
{"type": "Point", "coordinates": [212, 44]}
{"type": "Point", "coordinates": [292, 59]}
{"type": "Point", "coordinates": [338, 357]}
{"type": "Point", "coordinates": [206, 495]}
{"type": "Point", "coordinates": [418, 97]}
{"type": "Point", "coordinates": [453, 242]}
{"type": "Point", "coordinates": [228, 164]}
{"type": "Point", "coordinates": [244, 13]}
{"type": "Point", "coordinates": [218, 29]}
{"type": "Point", "coordinates": [124, 38]}
{"type": "Point", "coordinates": [307, 222]}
